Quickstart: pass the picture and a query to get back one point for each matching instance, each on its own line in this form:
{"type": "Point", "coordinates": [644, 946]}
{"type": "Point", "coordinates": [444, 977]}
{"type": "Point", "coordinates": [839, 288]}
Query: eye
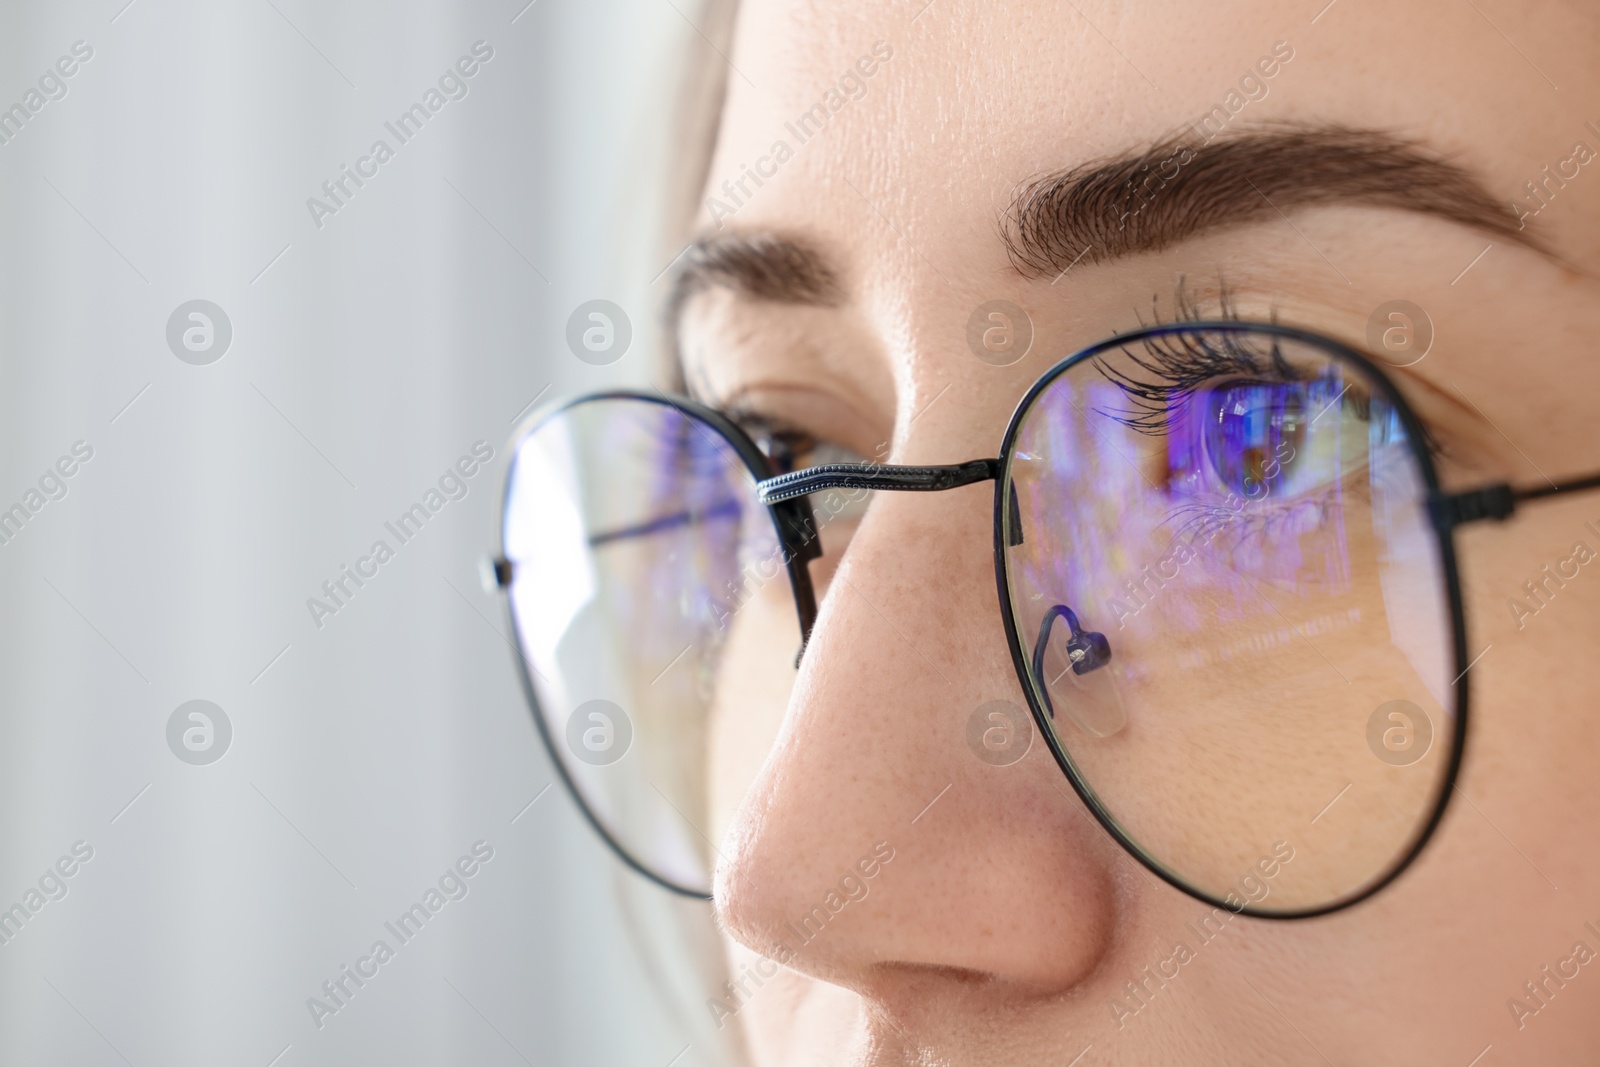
{"type": "Point", "coordinates": [836, 512]}
{"type": "Point", "coordinates": [792, 450]}
{"type": "Point", "coordinates": [790, 447]}
{"type": "Point", "coordinates": [1249, 429]}
{"type": "Point", "coordinates": [1286, 440]}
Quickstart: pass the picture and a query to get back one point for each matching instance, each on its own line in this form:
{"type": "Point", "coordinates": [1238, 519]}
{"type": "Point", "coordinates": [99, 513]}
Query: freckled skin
{"type": "Point", "coordinates": [1008, 923]}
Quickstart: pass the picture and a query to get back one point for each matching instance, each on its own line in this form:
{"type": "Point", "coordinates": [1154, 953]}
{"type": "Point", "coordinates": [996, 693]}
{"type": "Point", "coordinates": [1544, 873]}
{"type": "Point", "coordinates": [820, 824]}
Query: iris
{"type": "Point", "coordinates": [1247, 425]}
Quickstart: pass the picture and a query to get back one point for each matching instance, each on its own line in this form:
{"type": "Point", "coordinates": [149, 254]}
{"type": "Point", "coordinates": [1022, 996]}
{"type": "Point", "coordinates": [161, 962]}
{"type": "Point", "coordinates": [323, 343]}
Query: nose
{"type": "Point", "coordinates": [878, 849]}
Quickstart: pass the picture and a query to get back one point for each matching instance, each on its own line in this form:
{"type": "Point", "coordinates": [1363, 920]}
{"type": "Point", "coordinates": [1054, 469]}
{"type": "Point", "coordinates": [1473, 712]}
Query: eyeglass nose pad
{"type": "Point", "coordinates": [1097, 707]}
{"type": "Point", "coordinates": [1088, 651]}
{"type": "Point", "coordinates": [1099, 710]}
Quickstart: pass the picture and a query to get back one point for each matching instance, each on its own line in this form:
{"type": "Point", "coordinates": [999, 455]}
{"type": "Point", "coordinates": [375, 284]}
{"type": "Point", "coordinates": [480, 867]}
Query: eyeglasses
{"type": "Point", "coordinates": [1226, 573]}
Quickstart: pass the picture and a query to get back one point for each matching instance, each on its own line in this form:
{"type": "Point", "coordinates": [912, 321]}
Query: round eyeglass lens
{"type": "Point", "coordinates": [1232, 603]}
{"type": "Point", "coordinates": [638, 553]}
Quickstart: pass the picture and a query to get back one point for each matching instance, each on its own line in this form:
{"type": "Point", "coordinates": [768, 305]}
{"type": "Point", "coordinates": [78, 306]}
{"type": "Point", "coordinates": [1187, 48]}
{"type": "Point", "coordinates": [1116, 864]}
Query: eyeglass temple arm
{"type": "Point", "coordinates": [1498, 501]}
{"type": "Point", "coordinates": [874, 476]}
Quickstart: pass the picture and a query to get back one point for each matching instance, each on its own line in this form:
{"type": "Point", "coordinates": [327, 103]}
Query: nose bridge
{"type": "Point", "coordinates": [788, 495]}
{"type": "Point", "coordinates": [875, 757]}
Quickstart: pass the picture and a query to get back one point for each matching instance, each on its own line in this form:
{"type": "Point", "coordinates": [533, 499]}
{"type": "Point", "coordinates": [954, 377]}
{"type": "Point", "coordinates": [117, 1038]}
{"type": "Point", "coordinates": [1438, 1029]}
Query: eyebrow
{"type": "Point", "coordinates": [1183, 186]}
{"type": "Point", "coordinates": [763, 266]}
{"type": "Point", "coordinates": [1145, 201]}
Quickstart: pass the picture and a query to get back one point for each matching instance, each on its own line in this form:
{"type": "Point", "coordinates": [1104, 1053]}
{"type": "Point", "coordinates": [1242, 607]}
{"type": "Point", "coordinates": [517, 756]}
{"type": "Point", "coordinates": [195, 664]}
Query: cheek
{"type": "Point", "coordinates": [756, 673]}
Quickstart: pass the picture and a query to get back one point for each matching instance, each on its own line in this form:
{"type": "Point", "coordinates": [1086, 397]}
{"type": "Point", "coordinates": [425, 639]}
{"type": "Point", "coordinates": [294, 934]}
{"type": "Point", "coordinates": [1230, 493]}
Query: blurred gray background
{"type": "Point", "coordinates": [367, 354]}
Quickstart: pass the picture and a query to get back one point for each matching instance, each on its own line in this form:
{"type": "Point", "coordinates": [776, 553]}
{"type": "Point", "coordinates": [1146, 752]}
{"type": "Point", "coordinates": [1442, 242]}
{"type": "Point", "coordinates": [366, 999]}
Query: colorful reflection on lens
{"type": "Point", "coordinates": [1255, 550]}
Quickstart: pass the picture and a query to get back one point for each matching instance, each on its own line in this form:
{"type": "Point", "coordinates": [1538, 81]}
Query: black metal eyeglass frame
{"type": "Point", "coordinates": [785, 494]}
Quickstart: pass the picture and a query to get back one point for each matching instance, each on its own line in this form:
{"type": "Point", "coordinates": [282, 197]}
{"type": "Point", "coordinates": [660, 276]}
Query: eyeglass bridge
{"type": "Point", "coordinates": [874, 476]}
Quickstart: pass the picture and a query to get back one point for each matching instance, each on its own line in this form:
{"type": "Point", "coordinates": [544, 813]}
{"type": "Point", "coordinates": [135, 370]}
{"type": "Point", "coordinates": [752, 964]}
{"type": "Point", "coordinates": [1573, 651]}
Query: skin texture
{"type": "Point", "coordinates": [1008, 923]}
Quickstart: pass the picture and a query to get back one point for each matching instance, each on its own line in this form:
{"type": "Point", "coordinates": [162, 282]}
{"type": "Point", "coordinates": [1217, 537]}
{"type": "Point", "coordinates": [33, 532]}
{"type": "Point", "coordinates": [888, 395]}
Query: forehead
{"type": "Point", "coordinates": [976, 98]}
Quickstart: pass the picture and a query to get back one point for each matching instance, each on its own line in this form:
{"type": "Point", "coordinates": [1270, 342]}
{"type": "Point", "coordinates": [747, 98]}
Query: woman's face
{"type": "Point", "coordinates": [972, 911]}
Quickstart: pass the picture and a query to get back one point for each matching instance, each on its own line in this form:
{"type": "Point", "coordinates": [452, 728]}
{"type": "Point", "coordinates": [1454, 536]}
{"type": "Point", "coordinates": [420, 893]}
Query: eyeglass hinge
{"type": "Point", "coordinates": [1450, 510]}
{"type": "Point", "coordinates": [495, 573]}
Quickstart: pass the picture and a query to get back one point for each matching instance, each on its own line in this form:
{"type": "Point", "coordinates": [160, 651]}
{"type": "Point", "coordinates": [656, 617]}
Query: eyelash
{"type": "Point", "coordinates": [1173, 370]}
{"type": "Point", "coordinates": [1167, 375]}
{"type": "Point", "coordinates": [1180, 364]}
